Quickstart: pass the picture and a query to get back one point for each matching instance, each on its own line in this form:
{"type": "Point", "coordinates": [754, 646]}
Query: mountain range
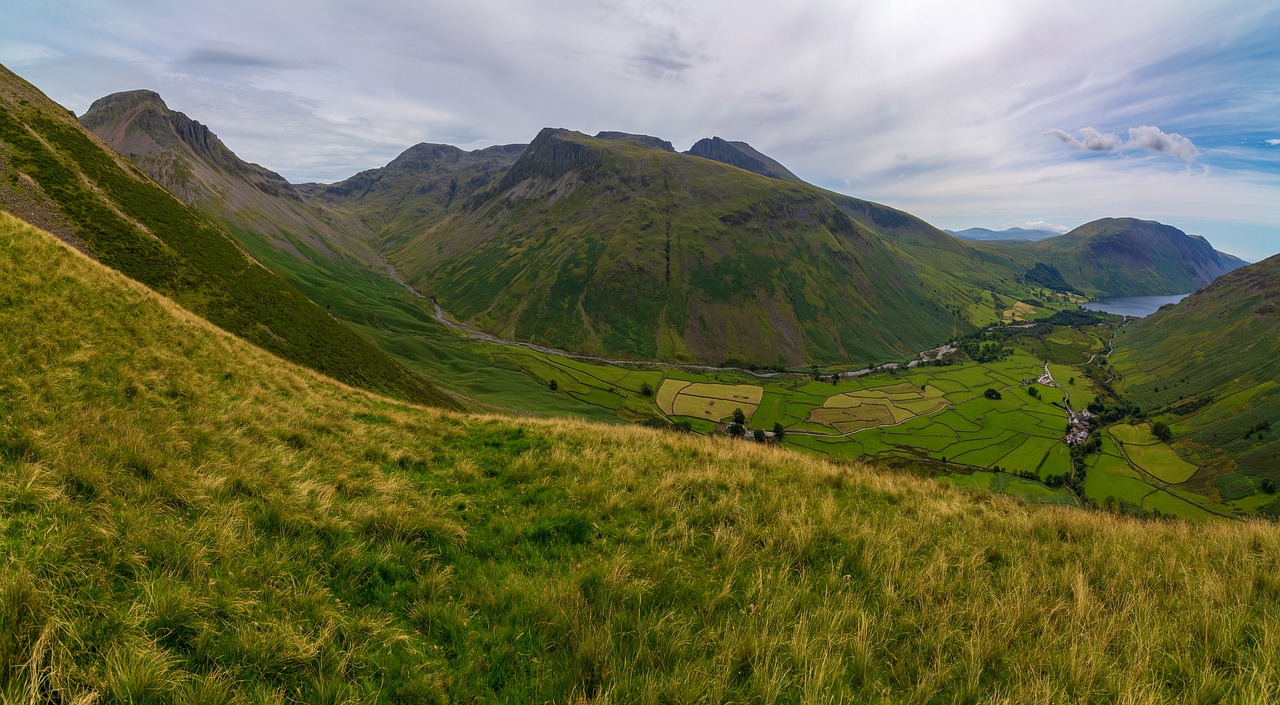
{"type": "Point", "coordinates": [721, 253]}
{"type": "Point", "coordinates": [986, 234]}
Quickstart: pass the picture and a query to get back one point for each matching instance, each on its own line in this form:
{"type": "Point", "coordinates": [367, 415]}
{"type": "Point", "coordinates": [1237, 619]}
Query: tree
{"type": "Point", "coordinates": [758, 435]}
{"type": "Point", "coordinates": [991, 393]}
{"type": "Point", "coordinates": [1033, 392]}
{"type": "Point", "coordinates": [738, 416]}
{"type": "Point", "coordinates": [778, 431]}
{"type": "Point", "coordinates": [646, 389]}
{"type": "Point", "coordinates": [554, 385]}
{"type": "Point", "coordinates": [737, 430]}
{"type": "Point", "coordinates": [1161, 431]}
{"type": "Point", "coordinates": [1071, 381]}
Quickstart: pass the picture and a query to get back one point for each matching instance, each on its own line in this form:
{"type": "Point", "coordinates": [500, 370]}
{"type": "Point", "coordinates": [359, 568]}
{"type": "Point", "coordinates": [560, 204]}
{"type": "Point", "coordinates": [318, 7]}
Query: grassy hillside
{"type": "Point", "coordinates": [1127, 257]}
{"type": "Point", "coordinates": [186, 518]}
{"type": "Point", "coordinates": [54, 173]}
{"type": "Point", "coordinates": [1207, 367]}
{"type": "Point", "coordinates": [611, 247]}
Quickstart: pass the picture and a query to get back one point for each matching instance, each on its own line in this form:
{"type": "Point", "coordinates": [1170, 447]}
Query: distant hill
{"type": "Point", "coordinates": [1129, 257]}
{"type": "Point", "coordinates": [616, 248]}
{"type": "Point", "coordinates": [1207, 365]}
{"type": "Point", "coordinates": [56, 175]}
{"type": "Point", "coordinates": [984, 234]}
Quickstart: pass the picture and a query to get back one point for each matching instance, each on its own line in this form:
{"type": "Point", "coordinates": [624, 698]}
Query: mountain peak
{"type": "Point", "coordinates": [642, 140]}
{"type": "Point", "coordinates": [743, 156]}
{"type": "Point", "coordinates": [126, 100]}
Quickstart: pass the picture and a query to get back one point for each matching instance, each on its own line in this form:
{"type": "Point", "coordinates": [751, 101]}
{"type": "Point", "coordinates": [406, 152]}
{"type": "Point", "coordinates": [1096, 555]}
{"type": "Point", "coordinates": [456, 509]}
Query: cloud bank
{"type": "Point", "coordinates": [1144, 137]}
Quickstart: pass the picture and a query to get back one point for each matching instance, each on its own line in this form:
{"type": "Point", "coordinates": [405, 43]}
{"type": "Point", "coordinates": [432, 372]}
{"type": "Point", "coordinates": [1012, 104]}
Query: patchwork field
{"type": "Point", "coordinates": [880, 406]}
{"type": "Point", "coordinates": [712, 402]}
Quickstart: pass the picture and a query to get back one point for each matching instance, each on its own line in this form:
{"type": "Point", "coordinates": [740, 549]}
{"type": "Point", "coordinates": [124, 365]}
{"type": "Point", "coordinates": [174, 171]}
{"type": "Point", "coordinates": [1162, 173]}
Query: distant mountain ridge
{"type": "Point", "coordinates": [1131, 257]}
{"type": "Point", "coordinates": [985, 234]}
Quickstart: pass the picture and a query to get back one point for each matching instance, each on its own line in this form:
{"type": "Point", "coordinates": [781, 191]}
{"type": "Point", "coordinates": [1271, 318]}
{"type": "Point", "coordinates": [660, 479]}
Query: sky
{"type": "Point", "coordinates": [988, 113]}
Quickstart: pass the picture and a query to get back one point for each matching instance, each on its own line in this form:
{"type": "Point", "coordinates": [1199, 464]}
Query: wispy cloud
{"type": "Point", "coordinates": [1274, 143]}
{"type": "Point", "coordinates": [1143, 137]}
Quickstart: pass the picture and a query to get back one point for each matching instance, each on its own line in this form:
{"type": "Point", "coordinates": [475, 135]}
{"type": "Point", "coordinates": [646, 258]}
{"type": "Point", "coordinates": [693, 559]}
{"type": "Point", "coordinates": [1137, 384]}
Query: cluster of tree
{"type": "Point", "coordinates": [740, 364]}
{"type": "Point", "coordinates": [1259, 428]}
{"type": "Point", "coordinates": [1078, 318]}
{"type": "Point", "coordinates": [991, 393]}
{"type": "Point", "coordinates": [1121, 409]}
{"type": "Point", "coordinates": [667, 425]}
{"type": "Point", "coordinates": [1161, 431]}
{"type": "Point", "coordinates": [992, 351]}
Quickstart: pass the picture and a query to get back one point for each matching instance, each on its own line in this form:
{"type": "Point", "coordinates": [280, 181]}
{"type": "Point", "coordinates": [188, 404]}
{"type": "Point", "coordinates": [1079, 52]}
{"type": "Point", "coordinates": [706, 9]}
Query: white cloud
{"type": "Point", "coordinates": [1090, 140]}
{"type": "Point", "coordinates": [1042, 225]}
{"type": "Point", "coordinates": [1153, 139]}
{"type": "Point", "coordinates": [1273, 143]}
{"type": "Point", "coordinates": [1143, 137]}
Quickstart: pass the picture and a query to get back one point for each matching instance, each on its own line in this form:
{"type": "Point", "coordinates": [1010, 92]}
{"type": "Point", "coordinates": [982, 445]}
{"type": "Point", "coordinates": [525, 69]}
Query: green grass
{"type": "Point", "coordinates": [185, 518]}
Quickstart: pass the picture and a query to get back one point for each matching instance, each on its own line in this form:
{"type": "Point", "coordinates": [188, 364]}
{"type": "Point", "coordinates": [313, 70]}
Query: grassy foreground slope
{"type": "Point", "coordinates": [187, 518]}
{"type": "Point", "coordinates": [54, 173]}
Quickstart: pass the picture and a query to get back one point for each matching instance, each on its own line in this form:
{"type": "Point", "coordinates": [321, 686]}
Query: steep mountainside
{"type": "Point", "coordinates": [187, 519]}
{"type": "Point", "coordinates": [616, 248]}
{"type": "Point", "coordinates": [190, 161]}
{"type": "Point", "coordinates": [57, 175]}
{"type": "Point", "coordinates": [417, 188]}
{"type": "Point", "coordinates": [1128, 257]}
{"type": "Point", "coordinates": [1208, 366]}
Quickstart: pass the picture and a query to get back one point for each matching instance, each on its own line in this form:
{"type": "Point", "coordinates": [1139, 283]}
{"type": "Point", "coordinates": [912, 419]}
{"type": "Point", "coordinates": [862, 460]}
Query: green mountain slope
{"type": "Point", "coordinates": [55, 174]}
{"type": "Point", "coordinates": [185, 518]}
{"type": "Point", "coordinates": [1207, 366]}
{"type": "Point", "coordinates": [417, 188]}
{"type": "Point", "coordinates": [1127, 257]}
{"type": "Point", "coordinates": [615, 248]}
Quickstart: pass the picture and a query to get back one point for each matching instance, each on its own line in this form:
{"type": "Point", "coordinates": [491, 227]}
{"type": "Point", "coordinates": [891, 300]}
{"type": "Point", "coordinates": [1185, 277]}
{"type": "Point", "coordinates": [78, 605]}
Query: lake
{"type": "Point", "coordinates": [1139, 306]}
